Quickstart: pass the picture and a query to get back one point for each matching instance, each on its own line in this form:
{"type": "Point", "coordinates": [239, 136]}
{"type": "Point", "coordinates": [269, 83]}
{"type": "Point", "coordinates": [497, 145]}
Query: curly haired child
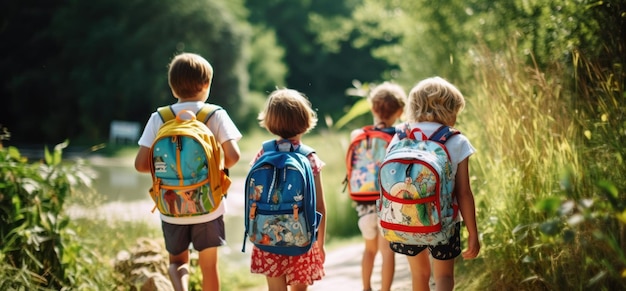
{"type": "Point", "coordinates": [434, 102]}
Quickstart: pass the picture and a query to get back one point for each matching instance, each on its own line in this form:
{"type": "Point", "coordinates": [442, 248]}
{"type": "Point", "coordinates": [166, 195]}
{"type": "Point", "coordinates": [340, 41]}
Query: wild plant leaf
{"type": "Point", "coordinates": [569, 236]}
{"type": "Point", "coordinates": [359, 108]}
{"type": "Point", "coordinates": [550, 228]}
{"type": "Point", "coordinates": [548, 205]}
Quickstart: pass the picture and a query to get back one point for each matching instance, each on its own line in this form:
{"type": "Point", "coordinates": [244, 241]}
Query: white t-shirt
{"type": "Point", "coordinates": [224, 130]}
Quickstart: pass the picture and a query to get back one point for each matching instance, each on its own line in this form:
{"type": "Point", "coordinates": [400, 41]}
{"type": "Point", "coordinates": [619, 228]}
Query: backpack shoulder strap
{"type": "Point", "coordinates": [305, 150]}
{"type": "Point", "coordinates": [403, 131]}
{"type": "Point", "coordinates": [443, 133]}
{"type": "Point", "coordinates": [269, 146]}
{"type": "Point", "coordinates": [368, 127]}
{"type": "Point", "coordinates": [166, 113]}
{"type": "Point", "coordinates": [388, 130]}
{"type": "Point", "coordinates": [205, 113]}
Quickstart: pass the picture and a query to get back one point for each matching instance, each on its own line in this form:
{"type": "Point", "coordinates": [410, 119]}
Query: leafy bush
{"type": "Point", "coordinates": [34, 232]}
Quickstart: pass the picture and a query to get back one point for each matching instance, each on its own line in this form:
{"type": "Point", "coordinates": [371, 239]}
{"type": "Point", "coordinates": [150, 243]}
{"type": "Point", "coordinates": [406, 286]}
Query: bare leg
{"type": "Point", "coordinates": [179, 271]}
{"type": "Point", "coordinates": [276, 283]}
{"type": "Point", "coordinates": [207, 260]}
{"type": "Point", "coordinates": [367, 262]}
{"type": "Point", "coordinates": [420, 271]}
{"type": "Point", "coordinates": [389, 263]}
{"type": "Point", "coordinates": [299, 287]}
{"type": "Point", "coordinates": [444, 274]}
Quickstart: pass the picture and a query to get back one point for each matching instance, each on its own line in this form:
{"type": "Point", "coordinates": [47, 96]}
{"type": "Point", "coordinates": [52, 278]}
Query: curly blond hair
{"type": "Point", "coordinates": [435, 99]}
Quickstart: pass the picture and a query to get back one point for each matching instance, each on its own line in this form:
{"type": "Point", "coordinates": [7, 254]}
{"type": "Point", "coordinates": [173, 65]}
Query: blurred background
{"type": "Point", "coordinates": [545, 109]}
{"type": "Point", "coordinates": [70, 69]}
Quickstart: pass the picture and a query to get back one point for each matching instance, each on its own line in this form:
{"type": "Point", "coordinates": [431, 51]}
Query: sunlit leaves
{"type": "Point", "coordinates": [32, 226]}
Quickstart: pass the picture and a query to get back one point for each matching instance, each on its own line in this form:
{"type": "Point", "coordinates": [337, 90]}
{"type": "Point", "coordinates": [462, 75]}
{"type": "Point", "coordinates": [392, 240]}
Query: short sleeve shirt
{"type": "Point", "coordinates": [222, 127]}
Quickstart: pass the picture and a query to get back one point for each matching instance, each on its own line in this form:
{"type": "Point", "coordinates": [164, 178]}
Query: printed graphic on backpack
{"type": "Point", "coordinates": [364, 156]}
{"type": "Point", "coordinates": [280, 202]}
{"type": "Point", "coordinates": [188, 177]}
{"type": "Point", "coordinates": [416, 205]}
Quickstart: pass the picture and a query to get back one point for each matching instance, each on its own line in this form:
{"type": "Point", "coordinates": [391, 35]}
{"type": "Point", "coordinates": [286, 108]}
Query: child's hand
{"type": "Point", "coordinates": [473, 248]}
{"type": "Point", "coordinates": [322, 251]}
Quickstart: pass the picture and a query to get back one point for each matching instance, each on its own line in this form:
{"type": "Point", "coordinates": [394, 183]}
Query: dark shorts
{"type": "Point", "coordinates": [447, 251]}
{"type": "Point", "coordinates": [202, 235]}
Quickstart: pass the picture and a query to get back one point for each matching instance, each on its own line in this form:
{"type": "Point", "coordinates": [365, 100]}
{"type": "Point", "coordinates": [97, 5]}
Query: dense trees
{"type": "Point", "coordinates": [70, 67]}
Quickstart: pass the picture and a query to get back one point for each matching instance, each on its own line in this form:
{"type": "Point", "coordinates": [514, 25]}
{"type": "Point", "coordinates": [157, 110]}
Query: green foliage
{"type": "Point", "coordinates": [521, 149]}
{"type": "Point", "coordinates": [315, 68]}
{"type": "Point", "coordinates": [546, 210]}
{"type": "Point", "coordinates": [107, 60]}
{"type": "Point", "coordinates": [359, 108]}
{"type": "Point", "coordinates": [266, 67]}
{"type": "Point", "coordinates": [33, 224]}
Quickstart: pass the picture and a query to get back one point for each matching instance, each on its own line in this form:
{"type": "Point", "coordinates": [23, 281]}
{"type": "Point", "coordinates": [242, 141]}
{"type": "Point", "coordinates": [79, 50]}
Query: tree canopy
{"type": "Point", "coordinates": [68, 68]}
{"type": "Point", "coordinates": [74, 67]}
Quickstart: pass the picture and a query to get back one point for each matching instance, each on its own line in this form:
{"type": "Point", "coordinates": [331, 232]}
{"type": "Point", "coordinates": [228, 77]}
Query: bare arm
{"type": "Point", "coordinates": [467, 207]}
{"type": "Point", "coordinates": [142, 160]}
{"type": "Point", "coordinates": [321, 208]}
{"type": "Point", "coordinates": [231, 153]}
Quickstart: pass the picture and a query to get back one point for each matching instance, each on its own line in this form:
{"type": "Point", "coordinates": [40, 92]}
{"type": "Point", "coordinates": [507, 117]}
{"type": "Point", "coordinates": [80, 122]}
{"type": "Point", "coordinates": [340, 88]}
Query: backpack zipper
{"type": "Point", "coordinates": [179, 149]}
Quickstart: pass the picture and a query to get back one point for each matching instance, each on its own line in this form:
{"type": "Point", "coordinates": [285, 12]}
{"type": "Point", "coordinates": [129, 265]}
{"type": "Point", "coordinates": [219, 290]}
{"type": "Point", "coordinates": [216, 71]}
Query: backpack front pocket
{"type": "Point", "coordinates": [409, 206]}
{"type": "Point", "coordinates": [279, 230]}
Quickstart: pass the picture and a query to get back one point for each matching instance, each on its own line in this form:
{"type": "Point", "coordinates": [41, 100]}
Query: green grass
{"type": "Point", "coordinates": [543, 222]}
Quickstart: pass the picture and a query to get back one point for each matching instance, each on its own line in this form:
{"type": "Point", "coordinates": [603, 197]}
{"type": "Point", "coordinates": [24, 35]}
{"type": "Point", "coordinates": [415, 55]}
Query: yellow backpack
{"type": "Point", "coordinates": [188, 176]}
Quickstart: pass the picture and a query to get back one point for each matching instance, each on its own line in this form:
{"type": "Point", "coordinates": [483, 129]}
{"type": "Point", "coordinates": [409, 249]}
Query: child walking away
{"type": "Point", "coordinates": [365, 154]}
{"type": "Point", "coordinates": [436, 179]}
{"type": "Point", "coordinates": [289, 249]}
{"type": "Point", "coordinates": [190, 182]}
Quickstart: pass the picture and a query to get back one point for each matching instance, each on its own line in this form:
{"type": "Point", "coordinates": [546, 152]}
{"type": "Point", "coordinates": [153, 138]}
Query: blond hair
{"type": "Point", "coordinates": [435, 99]}
{"type": "Point", "coordinates": [287, 113]}
{"type": "Point", "coordinates": [188, 74]}
{"type": "Point", "coordinates": [386, 99]}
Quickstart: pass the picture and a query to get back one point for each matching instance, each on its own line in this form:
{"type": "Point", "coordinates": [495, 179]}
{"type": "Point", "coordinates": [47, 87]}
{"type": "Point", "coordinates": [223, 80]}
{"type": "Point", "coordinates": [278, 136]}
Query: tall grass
{"type": "Point", "coordinates": [539, 228]}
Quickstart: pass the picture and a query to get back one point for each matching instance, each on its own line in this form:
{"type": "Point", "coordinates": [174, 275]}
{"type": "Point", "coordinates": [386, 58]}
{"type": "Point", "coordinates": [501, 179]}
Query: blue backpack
{"type": "Point", "coordinates": [280, 201]}
{"type": "Point", "coordinates": [416, 205]}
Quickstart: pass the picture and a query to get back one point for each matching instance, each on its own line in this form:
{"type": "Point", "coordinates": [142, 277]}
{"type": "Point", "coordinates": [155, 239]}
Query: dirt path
{"type": "Point", "coordinates": [343, 271]}
{"type": "Point", "coordinates": [343, 264]}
